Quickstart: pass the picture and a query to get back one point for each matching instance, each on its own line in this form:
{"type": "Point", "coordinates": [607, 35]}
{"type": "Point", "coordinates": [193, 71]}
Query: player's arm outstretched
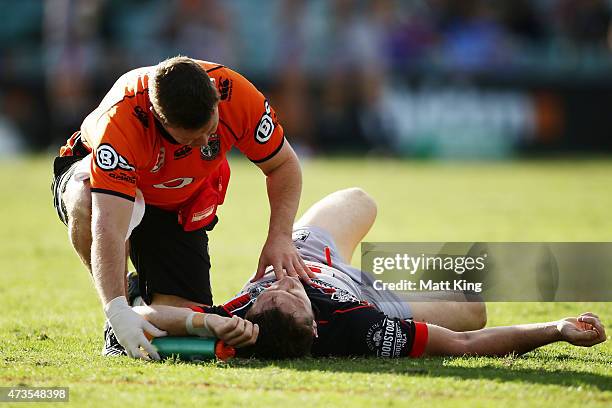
{"type": "Point", "coordinates": [585, 330]}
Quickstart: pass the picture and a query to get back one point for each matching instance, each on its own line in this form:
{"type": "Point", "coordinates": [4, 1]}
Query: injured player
{"type": "Point", "coordinates": [336, 314]}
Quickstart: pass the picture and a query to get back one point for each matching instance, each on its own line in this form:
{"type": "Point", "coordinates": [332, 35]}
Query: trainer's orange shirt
{"type": "Point", "coordinates": [132, 150]}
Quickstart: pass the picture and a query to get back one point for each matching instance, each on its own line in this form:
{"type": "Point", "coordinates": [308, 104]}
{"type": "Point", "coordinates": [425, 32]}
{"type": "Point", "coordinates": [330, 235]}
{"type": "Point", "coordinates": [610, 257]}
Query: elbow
{"type": "Point", "coordinates": [286, 162]}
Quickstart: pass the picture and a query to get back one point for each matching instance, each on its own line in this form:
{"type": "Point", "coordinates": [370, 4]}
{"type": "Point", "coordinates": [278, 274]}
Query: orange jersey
{"type": "Point", "coordinates": [132, 150]}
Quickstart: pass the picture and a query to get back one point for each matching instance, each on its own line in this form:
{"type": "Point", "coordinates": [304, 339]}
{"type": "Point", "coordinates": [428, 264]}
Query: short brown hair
{"type": "Point", "coordinates": [182, 94]}
{"type": "Point", "coordinates": [281, 335]}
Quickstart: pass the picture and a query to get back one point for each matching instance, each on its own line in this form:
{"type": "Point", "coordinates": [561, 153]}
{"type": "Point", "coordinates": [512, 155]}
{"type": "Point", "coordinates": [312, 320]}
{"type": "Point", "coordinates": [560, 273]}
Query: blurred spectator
{"type": "Point", "coordinates": [72, 51]}
{"type": "Point", "coordinates": [11, 143]}
{"type": "Point", "coordinates": [11, 139]}
{"type": "Point", "coordinates": [355, 72]}
{"type": "Point", "coordinates": [521, 19]}
{"type": "Point", "coordinates": [411, 34]}
{"type": "Point", "coordinates": [324, 63]}
{"type": "Point", "coordinates": [203, 29]}
{"type": "Point", "coordinates": [473, 38]}
{"type": "Point", "coordinates": [583, 22]}
{"type": "Point", "coordinates": [291, 96]}
{"type": "Point", "coordinates": [139, 30]}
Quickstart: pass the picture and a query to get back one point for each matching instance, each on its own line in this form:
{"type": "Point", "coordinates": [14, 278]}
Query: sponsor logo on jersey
{"type": "Point", "coordinates": [337, 294]}
{"type": "Point", "coordinates": [341, 295]}
{"type": "Point", "coordinates": [266, 126]}
{"type": "Point", "coordinates": [141, 115]}
{"type": "Point", "coordinates": [108, 159]}
{"type": "Point", "coordinates": [387, 339]}
{"type": "Point", "coordinates": [374, 336]}
{"type": "Point", "coordinates": [161, 158]}
{"type": "Point", "coordinates": [121, 176]}
{"type": "Point", "coordinates": [211, 150]}
{"type": "Point", "coordinates": [256, 290]}
{"type": "Point", "coordinates": [123, 163]}
{"type": "Point", "coordinates": [179, 182]}
{"type": "Point", "coordinates": [198, 216]}
{"type": "Point", "coordinates": [182, 152]}
{"type": "Point", "coordinates": [225, 88]}
{"type": "Point", "coordinates": [300, 235]}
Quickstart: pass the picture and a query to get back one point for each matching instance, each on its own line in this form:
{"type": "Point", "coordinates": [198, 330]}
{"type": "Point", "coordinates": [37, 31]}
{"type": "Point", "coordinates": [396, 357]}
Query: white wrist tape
{"type": "Point", "coordinates": [197, 331]}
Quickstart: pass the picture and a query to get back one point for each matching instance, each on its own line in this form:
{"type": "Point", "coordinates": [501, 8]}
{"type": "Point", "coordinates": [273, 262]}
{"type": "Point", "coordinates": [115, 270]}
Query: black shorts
{"type": "Point", "coordinates": [66, 167]}
{"type": "Point", "coordinates": [168, 259]}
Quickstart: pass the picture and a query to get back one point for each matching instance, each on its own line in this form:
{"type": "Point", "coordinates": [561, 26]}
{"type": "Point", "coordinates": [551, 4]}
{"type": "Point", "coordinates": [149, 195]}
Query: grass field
{"type": "Point", "coordinates": [51, 320]}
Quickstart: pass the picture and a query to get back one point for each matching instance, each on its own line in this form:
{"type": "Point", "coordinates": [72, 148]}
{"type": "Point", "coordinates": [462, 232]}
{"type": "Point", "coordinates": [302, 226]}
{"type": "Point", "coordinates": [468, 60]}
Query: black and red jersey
{"type": "Point", "coordinates": [347, 326]}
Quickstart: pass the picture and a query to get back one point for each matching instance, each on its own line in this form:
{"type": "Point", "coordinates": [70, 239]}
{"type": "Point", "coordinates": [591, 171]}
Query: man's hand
{"type": "Point", "coordinates": [236, 332]}
{"type": "Point", "coordinates": [284, 258]}
{"type": "Point", "coordinates": [586, 330]}
{"type": "Point", "coordinates": [129, 328]}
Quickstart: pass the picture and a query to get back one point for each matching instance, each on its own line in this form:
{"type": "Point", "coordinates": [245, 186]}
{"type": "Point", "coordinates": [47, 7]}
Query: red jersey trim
{"type": "Point", "coordinates": [421, 334]}
{"type": "Point", "coordinates": [328, 256]}
{"type": "Point", "coordinates": [237, 303]}
{"type": "Point", "coordinates": [352, 309]}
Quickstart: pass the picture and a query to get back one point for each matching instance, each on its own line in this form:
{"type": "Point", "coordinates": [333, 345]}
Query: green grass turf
{"type": "Point", "coordinates": [51, 320]}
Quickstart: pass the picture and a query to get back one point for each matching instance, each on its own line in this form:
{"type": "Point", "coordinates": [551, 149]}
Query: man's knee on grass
{"type": "Point", "coordinates": [281, 334]}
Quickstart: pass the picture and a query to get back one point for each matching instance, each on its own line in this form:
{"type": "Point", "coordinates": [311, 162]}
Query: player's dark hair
{"type": "Point", "coordinates": [182, 94]}
{"type": "Point", "coordinates": [281, 335]}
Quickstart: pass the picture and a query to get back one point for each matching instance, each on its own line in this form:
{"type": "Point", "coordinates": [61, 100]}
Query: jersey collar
{"type": "Point", "coordinates": [162, 130]}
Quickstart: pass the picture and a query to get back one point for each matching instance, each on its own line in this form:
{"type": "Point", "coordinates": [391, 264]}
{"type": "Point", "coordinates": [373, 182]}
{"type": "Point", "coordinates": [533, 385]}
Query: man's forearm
{"type": "Point", "coordinates": [500, 341]}
{"type": "Point", "coordinates": [108, 265]}
{"type": "Point", "coordinates": [284, 182]}
{"type": "Point", "coordinates": [284, 186]}
{"type": "Point", "coordinates": [170, 318]}
{"type": "Point", "coordinates": [495, 341]}
{"type": "Point", "coordinates": [110, 218]}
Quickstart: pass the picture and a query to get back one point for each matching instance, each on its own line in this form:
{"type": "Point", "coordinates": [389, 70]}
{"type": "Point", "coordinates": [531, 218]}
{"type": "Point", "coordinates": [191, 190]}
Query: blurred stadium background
{"type": "Point", "coordinates": [477, 80]}
{"type": "Point", "coordinates": [419, 78]}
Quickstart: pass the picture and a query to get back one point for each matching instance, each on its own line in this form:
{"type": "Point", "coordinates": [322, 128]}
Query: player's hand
{"type": "Point", "coordinates": [235, 331]}
{"type": "Point", "coordinates": [586, 330]}
{"type": "Point", "coordinates": [129, 328]}
{"type": "Point", "coordinates": [279, 252]}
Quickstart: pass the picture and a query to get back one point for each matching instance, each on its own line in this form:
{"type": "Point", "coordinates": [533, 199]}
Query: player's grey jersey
{"type": "Point", "coordinates": [325, 276]}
